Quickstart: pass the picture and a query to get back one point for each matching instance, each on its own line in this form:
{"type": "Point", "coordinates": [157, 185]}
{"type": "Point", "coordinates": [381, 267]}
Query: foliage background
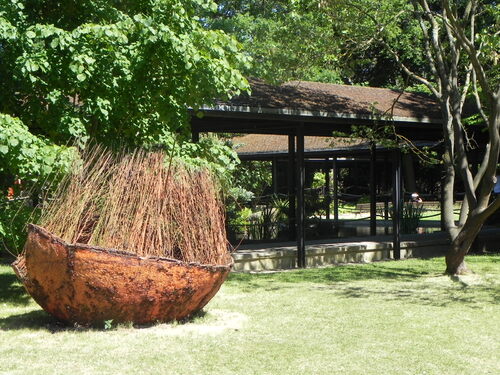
{"type": "Point", "coordinates": [120, 73]}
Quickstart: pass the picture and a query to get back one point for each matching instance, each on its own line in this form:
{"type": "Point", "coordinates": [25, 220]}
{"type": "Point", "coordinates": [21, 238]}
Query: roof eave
{"type": "Point", "coordinates": [314, 114]}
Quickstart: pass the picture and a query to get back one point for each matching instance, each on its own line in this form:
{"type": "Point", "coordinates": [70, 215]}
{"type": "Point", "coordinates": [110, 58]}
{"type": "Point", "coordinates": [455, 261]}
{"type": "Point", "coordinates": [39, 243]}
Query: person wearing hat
{"type": "Point", "coordinates": [415, 198]}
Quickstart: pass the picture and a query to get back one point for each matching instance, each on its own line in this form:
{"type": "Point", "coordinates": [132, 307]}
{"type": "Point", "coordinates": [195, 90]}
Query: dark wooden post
{"type": "Point", "coordinates": [373, 190]}
{"type": "Point", "coordinates": [291, 187]}
{"type": "Point", "coordinates": [195, 136]}
{"type": "Point", "coordinates": [396, 204]}
{"type": "Point", "coordinates": [336, 175]}
{"type": "Point", "coordinates": [299, 189]}
{"type": "Point", "coordinates": [275, 175]}
{"type": "Point", "coordinates": [327, 188]}
{"type": "Point", "coordinates": [387, 183]}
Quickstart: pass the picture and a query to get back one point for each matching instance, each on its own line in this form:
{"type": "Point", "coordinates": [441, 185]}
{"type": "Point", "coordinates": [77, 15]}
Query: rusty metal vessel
{"type": "Point", "coordinates": [84, 284]}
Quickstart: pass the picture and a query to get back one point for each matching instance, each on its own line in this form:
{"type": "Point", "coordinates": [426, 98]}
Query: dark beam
{"type": "Point", "coordinates": [396, 205]}
{"type": "Point", "coordinates": [291, 187]}
{"type": "Point", "coordinates": [336, 175]}
{"type": "Point", "coordinates": [299, 190]}
{"type": "Point", "coordinates": [360, 155]}
{"type": "Point", "coordinates": [373, 190]}
{"type": "Point", "coordinates": [387, 183]}
{"type": "Point", "coordinates": [195, 136]}
{"type": "Point", "coordinates": [275, 175]}
{"type": "Point", "coordinates": [280, 124]}
{"type": "Point", "coordinates": [327, 188]}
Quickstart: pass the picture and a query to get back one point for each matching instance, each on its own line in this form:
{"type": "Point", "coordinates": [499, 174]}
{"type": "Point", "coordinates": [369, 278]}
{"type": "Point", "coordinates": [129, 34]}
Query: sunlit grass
{"type": "Point", "coordinates": [401, 317]}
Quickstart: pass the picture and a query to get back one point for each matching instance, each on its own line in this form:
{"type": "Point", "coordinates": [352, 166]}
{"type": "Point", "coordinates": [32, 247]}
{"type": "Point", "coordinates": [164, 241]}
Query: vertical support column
{"type": "Point", "coordinates": [327, 188]}
{"type": "Point", "coordinates": [408, 173]}
{"type": "Point", "coordinates": [336, 175]}
{"type": "Point", "coordinates": [195, 135]}
{"type": "Point", "coordinates": [275, 175]}
{"type": "Point", "coordinates": [291, 187]}
{"type": "Point", "coordinates": [396, 204]}
{"type": "Point", "coordinates": [299, 190]}
{"type": "Point", "coordinates": [387, 183]}
{"type": "Point", "coordinates": [373, 190]}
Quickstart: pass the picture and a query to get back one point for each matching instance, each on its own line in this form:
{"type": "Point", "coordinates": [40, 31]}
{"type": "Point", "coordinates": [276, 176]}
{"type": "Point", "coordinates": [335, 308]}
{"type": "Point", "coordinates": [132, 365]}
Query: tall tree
{"type": "Point", "coordinates": [458, 41]}
{"type": "Point", "coordinates": [293, 39]}
{"type": "Point", "coordinates": [283, 42]}
{"type": "Point", "coordinates": [117, 71]}
{"type": "Point", "coordinates": [120, 72]}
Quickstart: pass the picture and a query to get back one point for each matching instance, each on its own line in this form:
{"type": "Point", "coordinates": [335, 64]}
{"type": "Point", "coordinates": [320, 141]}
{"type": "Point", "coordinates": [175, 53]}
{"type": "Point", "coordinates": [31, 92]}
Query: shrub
{"type": "Point", "coordinates": [14, 215]}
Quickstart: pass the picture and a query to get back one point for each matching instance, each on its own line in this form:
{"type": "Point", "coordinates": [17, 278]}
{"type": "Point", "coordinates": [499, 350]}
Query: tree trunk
{"type": "Point", "coordinates": [455, 263]}
{"type": "Point", "coordinates": [460, 246]}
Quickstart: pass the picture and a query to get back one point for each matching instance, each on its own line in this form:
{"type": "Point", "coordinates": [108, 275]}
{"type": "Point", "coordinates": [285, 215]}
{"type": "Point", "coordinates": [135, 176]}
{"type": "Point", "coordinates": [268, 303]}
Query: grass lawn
{"type": "Point", "coordinates": [435, 215]}
{"type": "Point", "coordinates": [400, 317]}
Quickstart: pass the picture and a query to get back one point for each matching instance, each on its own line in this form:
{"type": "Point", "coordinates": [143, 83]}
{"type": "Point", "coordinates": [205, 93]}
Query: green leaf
{"type": "Point", "coordinates": [32, 66]}
{"type": "Point", "coordinates": [46, 169]}
{"type": "Point", "coordinates": [89, 60]}
{"type": "Point", "coordinates": [13, 142]}
{"type": "Point", "coordinates": [4, 149]}
{"type": "Point", "coordinates": [81, 77]}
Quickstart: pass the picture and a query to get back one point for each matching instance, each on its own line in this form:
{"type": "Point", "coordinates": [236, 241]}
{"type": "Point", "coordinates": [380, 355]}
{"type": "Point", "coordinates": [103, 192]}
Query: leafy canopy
{"type": "Point", "coordinates": [28, 156]}
{"type": "Point", "coordinates": [284, 39]}
{"type": "Point", "coordinates": [122, 72]}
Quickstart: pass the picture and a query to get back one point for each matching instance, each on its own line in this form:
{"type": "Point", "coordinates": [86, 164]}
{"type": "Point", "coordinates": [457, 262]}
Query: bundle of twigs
{"type": "Point", "coordinates": [140, 202]}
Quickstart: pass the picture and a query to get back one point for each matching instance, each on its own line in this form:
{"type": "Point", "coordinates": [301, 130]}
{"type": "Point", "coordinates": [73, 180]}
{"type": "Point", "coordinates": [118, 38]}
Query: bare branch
{"type": "Point", "coordinates": [462, 166]}
{"type": "Point", "coordinates": [435, 40]}
{"type": "Point", "coordinates": [465, 87]}
{"type": "Point", "coordinates": [380, 30]}
{"type": "Point", "coordinates": [490, 209]}
{"type": "Point", "coordinates": [478, 98]}
{"type": "Point", "coordinates": [413, 75]}
{"type": "Point", "coordinates": [427, 46]}
{"type": "Point", "coordinates": [471, 51]}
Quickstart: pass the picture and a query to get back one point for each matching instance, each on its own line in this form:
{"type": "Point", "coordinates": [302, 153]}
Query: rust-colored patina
{"type": "Point", "coordinates": [84, 284]}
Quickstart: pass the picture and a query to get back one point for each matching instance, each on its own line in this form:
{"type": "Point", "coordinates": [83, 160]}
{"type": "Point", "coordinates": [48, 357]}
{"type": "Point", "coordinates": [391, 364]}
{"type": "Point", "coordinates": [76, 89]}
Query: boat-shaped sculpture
{"type": "Point", "coordinates": [84, 284]}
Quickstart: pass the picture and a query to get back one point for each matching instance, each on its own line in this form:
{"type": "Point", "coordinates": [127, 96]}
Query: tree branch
{"type": "Point", "coordinates": [427, 47]}
{"type": "Point", "coordinates": [436, 42]}
{"type": "Point", "coordinates": [471, 51]}
{"type": "Point", "coordinates": [475, 93]}
{"type": "Point", "coordinates": [490, 209]}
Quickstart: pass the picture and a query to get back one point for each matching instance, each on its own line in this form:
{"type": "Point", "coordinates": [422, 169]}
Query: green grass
{"type": "Point", "coordinates": [401, 317]}
{"type": "Point", "coordinates": [435, 215]}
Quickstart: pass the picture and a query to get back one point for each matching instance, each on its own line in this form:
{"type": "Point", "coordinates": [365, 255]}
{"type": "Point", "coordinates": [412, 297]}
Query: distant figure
{"type": "Point", "coordinates": [496, 188]}
{"type": "Point", "coordinates": [415, 198]}
{"type": "Point", "coordinates": [12, 191]}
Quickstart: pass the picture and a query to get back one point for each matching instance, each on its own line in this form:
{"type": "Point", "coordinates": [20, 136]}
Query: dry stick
{"type": "Point", "coordinates": [134, 202]}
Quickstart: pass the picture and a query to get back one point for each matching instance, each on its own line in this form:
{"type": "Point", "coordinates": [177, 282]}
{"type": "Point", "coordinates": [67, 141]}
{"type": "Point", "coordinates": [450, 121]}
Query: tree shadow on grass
{"type": "Point", "coordinates": [40, 320]}
{"type": "Point", "coordinates": [391, 271]}
{"type": "Point", "coordinates": [12, 291]}
{"type": "Point", "coordinates": [475, 297]}
{"type": "Point", "coordinates": [387, 272]}
{"type": "Point", "coordinates": [34, 320]}
{"type": "Point", "coordinates": [421, 282]}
